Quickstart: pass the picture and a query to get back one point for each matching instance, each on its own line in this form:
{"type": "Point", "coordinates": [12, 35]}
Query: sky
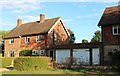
{"type": "Point", "coordinates": [81, 16]}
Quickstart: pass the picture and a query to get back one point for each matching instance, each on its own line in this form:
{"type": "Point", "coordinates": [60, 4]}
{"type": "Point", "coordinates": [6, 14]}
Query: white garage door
{"type": "Point", "coordinates": [81, 56]}
{"type": "Point", "coordinates": [62, 56]}
{"type": "Point", "coordinates": [95, 56]}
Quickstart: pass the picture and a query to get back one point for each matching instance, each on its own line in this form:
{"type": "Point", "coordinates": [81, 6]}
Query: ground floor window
{"type": "Point", "coordinates": [38, 52]}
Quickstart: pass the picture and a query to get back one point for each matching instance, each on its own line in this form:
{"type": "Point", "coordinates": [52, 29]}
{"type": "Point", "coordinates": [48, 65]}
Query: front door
{"type": "Point", "coordinates": [51, 54]}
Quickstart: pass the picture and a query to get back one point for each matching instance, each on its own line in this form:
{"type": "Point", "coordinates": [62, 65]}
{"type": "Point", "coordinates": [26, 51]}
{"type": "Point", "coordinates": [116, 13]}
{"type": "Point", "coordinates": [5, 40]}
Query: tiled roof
{"type": "Point", "coordinates": [111, 16]}
{"type": "Point", "coordinates": [32, 28]}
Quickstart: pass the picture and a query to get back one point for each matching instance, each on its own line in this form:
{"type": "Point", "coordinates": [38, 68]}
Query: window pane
{"type": "Point", "coordinates": [119, 29]}
{"type": "Point", "coordinates": [38, 38]}
{"type": "Point", "coordinates": [115, 31]}
{"type": "Point", "coordinates": [28, 39]}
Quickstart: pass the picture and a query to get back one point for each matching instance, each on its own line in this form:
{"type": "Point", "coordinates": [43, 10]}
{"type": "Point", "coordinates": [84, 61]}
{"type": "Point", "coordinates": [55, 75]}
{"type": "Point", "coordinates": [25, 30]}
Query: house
{"type": "Point", "coordinates": [37, 36]}
{"type": "Point", "coordinates": [110, 26]}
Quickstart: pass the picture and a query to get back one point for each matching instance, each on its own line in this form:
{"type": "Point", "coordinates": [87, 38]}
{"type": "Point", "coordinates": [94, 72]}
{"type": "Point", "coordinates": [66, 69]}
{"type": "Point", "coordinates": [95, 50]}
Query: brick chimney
{"type": "Point", "coordinates": [42, 18]}
{"type": "Point", "coordinates": [19, 22]}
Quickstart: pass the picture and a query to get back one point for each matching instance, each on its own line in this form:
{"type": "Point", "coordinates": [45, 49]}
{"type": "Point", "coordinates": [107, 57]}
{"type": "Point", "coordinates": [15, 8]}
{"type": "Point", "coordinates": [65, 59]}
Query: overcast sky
{"type": "Point", "coordinates": [81, 16]}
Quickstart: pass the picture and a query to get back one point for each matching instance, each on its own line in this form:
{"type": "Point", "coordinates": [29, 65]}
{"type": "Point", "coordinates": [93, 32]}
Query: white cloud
{"type": "Point", "coordinates": [92, 15]}
{"type": "Point", "coordinates": [29, 18]}
{"type": "Point", "coordinates": [21, 6]}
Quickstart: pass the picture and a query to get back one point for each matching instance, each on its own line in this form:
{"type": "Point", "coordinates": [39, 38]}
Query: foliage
{"type": "Point", "coordinates": [72, 39]}
{"type": "Point", "coordinates": [84, 41]}
{"type": "Point", "coordinates": [26, 52]}
{"type": "Point", "coordinates": [6, 61]}
{"type": "Point", "coordinates": [3, 33]}
{"type": "Point", "coordinates": [30, 63]}
{"type": "Point", "coordinates": [97, 37]}
{"type": "Point", "coordinates": [116, 59]}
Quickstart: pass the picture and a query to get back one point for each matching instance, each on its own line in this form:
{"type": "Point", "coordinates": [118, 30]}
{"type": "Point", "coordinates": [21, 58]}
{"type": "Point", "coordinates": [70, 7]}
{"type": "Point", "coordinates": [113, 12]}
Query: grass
{"type": "Point", "coordinates": [61, 71]}
{"type": "Point", "coordinates": [0, 54]}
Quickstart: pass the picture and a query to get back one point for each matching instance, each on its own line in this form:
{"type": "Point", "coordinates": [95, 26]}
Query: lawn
{"type": "Point", "coordinates": [61, 71]}
{"type": "Point", "coordinates": [0, 54]}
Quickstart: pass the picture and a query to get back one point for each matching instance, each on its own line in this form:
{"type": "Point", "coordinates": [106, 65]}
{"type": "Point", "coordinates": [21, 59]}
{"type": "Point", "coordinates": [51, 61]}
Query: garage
{"type": "Point", "coordinates": [95, 56]}
{"type": "Point", "coordinates": [81, 56]}
{"type": "Point", "coordinates": [62, 56]}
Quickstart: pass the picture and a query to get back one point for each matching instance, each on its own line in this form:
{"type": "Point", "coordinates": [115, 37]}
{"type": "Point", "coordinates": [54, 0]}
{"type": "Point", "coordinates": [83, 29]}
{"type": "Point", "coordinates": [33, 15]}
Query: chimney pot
{"type": "Point", "coordinates": [19, 22]}
{"type": "Point", "coordinates": [42, 18]}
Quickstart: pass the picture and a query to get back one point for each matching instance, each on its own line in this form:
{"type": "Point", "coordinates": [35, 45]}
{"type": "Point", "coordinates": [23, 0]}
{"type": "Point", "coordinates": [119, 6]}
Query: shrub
{"type": "Point", "coordinates": [6, 61]}
{"type": "Point", "coordinates": [116, 59]}
{"type": "Point", "coordinates": [26, 52]}
{"type": "Point", "coordinates": [30, 63]}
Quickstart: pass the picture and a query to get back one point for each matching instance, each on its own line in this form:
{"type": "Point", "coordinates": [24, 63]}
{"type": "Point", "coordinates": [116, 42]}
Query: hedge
{"type": "Point", "coordinates": [26, 52]}
{"type": "Point", "coordinates": [31, 63]}
{"type": "Point", "coordinates": [6, 61]}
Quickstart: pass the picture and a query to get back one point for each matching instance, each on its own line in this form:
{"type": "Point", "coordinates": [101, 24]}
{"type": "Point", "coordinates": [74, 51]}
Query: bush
{"type": "Point", "coordinates": [30, 63]}
{"type": "Point", "coordinates": [116, 59]}
{"type": "Point", "coordinates": [6, 61]}
{"type": "Point", "coordinates": [26, 52]}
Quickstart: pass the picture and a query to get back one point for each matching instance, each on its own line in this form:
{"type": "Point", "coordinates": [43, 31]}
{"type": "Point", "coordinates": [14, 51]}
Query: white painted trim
{"type": "Point", "coordinates": [54, 25]}
{"type": "Point", "coordinates": [10, 41]}
{"type": "Point", "coordinates": [114, 28]}
{"type": "Point", "coordinates": [36, 38]}
{"type": "Point", "coordinates": [25, 39]}
{"type": "Point", "coordinates": [65, 27]}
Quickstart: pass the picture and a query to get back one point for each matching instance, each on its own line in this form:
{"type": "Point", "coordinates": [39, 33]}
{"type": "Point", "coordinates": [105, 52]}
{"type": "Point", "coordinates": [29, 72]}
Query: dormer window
{"type": "Point", "coordinates": [116, 30]}
{"type": "Point", "coordinates": [38, 38]}
{"type": "Point", "coordinates": [11, 41]}
{"type": "Point", "coordinates": [27, 39]}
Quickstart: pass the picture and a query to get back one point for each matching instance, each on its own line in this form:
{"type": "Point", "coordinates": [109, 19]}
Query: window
{"type": "Point", "coordinates": [38, 38]}
{"type": "Point", "coordinates": [11, 41]}
{"type": "Point", "coordinates": [27, 39]}
{"type": "Point", "coordinates": [55, 36]}
{"type": "Point", "coordinates": [116, 30]}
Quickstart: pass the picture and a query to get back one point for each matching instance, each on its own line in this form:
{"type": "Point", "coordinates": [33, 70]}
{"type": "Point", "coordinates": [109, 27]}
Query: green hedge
{"type": "Point", "coordinates": [30, 63]}
{"type": "Point", "coordinates": [6, 61]}
{"type": "Point", "coordinates": [26, 52]}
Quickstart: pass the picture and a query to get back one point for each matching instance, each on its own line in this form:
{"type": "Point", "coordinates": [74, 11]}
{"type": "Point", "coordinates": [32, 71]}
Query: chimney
{"type": "Point", "coordinates": [19, 22]}
{"type": "Point", "coordinates": [42, 18]}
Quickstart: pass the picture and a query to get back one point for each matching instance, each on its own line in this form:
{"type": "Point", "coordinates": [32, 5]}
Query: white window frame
{"type": "Point", "coordinates": [55, 36]}
{"type": "Point", "coordinates": [26, 39]}
{"type": "Point", "coordinates": [10, 41]}
{"type": "Point", "coordinates": [115, 27]}
{"type": "Point", "coordinates": [37, 38]}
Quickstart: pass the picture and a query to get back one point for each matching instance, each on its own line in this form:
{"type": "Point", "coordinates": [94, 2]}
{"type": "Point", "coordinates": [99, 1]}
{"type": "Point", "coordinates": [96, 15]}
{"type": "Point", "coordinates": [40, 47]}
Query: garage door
{"type": "Point", "coordinates": [81, 56]}
{"type": "Point", "coordinates": [62, 56]}
{"type": "Point", "coordinates": [95, 56]}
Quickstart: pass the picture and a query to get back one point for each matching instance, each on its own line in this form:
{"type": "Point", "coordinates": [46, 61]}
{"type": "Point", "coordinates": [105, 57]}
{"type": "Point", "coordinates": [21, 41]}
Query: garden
{"type": "Point", "coordinates": [42, 65]}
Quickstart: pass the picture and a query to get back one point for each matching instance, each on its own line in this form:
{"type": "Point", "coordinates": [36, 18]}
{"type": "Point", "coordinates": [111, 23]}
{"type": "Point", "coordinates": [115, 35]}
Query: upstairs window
{"type": "Point", "coordinates": [11, 41]}
{"type": "Point", "coordinates": [116, 30]}
{"type": "Point", "coordinates": [27, 39]}
{"type": "Point", "coordinates": [55, 36]}
{"type": "Point", "coordinates": [38, 38]}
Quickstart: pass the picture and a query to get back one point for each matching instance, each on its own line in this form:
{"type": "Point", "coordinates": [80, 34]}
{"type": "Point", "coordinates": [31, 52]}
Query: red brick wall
{"type": "Point", "coordinates": [108, 37]}
{"type": "Point", "coordinates": [61, 35]}
{"type": "Point", "coordinates": [19, 43]}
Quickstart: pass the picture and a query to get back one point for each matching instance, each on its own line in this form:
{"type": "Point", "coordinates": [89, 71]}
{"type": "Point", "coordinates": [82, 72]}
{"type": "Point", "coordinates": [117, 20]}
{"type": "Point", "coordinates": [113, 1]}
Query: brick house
{"type": "Point", "coordinates": [110, 26]}
{"type": "Point", "coordinates": [37, 36]}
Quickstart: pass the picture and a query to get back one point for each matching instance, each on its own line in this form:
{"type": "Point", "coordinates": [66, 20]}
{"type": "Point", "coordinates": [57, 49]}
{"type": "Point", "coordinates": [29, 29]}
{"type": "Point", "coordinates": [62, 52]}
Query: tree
{"type": "Point", "coordinates": [84, 41]}
{"type": "Point", "coordinates": [72, 36]}
{"type": "Point", "coordinates": [3, 33]}
{"type": "Point", "coordinates": [97, 37]}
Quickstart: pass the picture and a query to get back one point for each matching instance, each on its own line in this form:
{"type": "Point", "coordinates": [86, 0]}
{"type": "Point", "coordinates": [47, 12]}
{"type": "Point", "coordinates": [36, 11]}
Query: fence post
{"type": "Point", "coordinates": [90, 49]}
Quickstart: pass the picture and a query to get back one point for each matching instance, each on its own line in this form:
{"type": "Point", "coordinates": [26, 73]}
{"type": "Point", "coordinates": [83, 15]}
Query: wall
{"type": "Point", "coordinates": [62, 36]}
{"type": "Point", "coordinates": [19, 43]}
{"type": "Point", "coordinates": [108, 37]}
{"type": "Point", "coordinates": [110, 42]}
